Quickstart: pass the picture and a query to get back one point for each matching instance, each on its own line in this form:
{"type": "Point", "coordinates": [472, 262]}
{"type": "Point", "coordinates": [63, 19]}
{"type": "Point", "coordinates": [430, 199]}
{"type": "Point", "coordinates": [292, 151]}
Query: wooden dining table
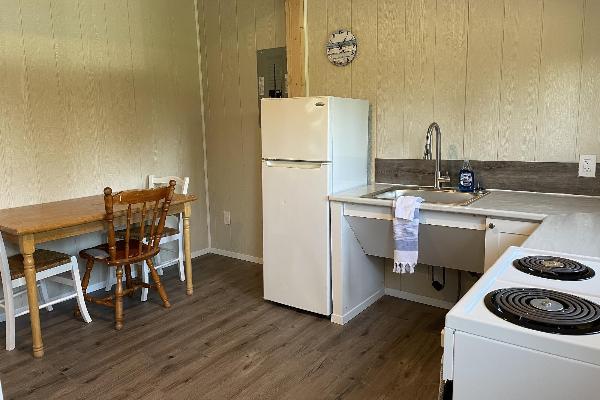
{"type": "Point", "coordinates": [31, 225]}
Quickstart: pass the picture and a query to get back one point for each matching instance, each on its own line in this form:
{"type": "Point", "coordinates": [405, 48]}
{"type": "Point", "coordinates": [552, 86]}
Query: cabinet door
{"type": "Point", "coordinates": [501, 234]}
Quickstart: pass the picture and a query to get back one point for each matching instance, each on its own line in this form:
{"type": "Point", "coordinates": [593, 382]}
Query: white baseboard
{"type": "Point", "coordinates": [343, 319]}
{"type": "Point", "coordinates": [96, 286]}
{"type": "Point", "coordinates": [419, 299]}
{"type": "Point", "coordinates": [200, 253]}
{"type": "Point", "coordinates": [239, 256]}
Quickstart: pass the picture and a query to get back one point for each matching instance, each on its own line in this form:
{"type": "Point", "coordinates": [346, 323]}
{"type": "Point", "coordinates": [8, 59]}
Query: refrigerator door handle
{"type": "Point", "coordinates": [295, 164]}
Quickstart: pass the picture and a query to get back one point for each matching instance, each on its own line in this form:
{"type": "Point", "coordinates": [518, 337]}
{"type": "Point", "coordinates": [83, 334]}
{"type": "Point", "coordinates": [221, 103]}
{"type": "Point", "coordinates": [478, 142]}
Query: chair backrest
{"type": "Point", "coordinates": [6, 284]}
{"type": "Point", "coordinates": [161, 181]}
{"type": "Point", "coordinates": [152, 206]}
{"type": "Point", "coordinates": [4, 269]}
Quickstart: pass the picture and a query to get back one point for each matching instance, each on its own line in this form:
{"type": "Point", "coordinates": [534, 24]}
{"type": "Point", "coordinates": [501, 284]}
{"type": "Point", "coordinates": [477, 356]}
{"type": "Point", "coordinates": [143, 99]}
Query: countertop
{"type": "Point", "coordinates": [577, 234]}
{"type": "Point", "coordinates": [569, 224]}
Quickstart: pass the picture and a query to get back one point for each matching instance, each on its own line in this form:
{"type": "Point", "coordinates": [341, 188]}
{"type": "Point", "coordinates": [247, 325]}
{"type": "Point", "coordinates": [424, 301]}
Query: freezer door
{"type": "Point", "coordinates": [296, 266]}
{"type": "Point", "coordinates": [296, 129]}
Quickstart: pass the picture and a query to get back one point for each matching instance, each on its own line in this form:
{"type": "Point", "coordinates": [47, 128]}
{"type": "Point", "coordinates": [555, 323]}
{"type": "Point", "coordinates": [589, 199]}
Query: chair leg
{"type": "Point", "coordinates": [159, 287]}
{"type": "Point", "coordinates": [109, 281]}
{"type": "Point", "coordinates": [128, 279]}
{"type": "Point", "coordinates": [9, 313]}
{"type": "Point", "coordinates": [144, 275]}
{"type": "Point", "coordinates": [89, 265]}
{"type": "Point", "coordinates": [45, 297]}
{"type": "Point", "coordinates": [181, 259]}
{"type": "Point", "coordinates": [158, 259]}
{"type": "Point", "coordinates": [83, 311]}
{"type": "Point", "coordinates": [119, 299]}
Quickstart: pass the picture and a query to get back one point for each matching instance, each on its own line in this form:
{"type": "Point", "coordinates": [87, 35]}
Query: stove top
{"type": "Point", "coordinates": [549, 270]}
{"type": "Point", "coordinates": [553, 267]}
{"type": "Point", "coordinates": [545, 310]}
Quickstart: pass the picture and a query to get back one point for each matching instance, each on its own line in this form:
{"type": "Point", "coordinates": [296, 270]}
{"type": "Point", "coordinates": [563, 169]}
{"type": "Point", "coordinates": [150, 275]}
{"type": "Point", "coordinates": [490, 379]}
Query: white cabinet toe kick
{"type": "Point", "coordinates": [361, 241]}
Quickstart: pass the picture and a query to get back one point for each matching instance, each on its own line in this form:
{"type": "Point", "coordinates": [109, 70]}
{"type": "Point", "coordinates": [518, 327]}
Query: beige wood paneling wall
{"type": "Point", "coordinates": [98, 93]}
{"type": "Point", "coordinates": [506, 79]}
{"type": "Point", "coordinates": [231, 31]}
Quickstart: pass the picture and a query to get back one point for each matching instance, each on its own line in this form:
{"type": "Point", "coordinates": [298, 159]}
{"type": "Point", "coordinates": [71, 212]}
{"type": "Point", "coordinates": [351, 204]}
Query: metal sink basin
{"type": "Point", "coordinates": [448, 196]}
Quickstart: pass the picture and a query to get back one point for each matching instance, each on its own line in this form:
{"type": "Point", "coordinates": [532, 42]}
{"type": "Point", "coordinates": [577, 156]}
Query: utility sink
{"type": "Point", "coordinates": [448, 196]}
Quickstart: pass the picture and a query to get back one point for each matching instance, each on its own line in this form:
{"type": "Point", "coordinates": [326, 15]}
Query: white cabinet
{"type": "Point", "coordinates": [500, 234]}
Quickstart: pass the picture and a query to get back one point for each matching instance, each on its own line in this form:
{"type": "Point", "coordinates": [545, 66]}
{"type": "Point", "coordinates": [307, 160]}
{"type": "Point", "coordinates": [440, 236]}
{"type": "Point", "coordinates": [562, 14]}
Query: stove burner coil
{"type": "Point", "coordinates": [557, 268]}
{"type": "Point", "coordinates": [545, 310]}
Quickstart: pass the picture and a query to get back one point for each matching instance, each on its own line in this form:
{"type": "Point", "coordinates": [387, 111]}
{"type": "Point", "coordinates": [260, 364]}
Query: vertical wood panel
{"type": "Point", "coordinates": [450, 74]}
{"type": "Point", "coordinates": [279, 22]}
{"type": "Point", "coordinates": [483, 79]}
{"type": "Point", "coordinates": [233, 153]}
{"type": "Point", "coordinates": [140, 71]}
{"type": "Point", "coordinates": [215, 111]}
{"type": "Point", "coordinates": [295, 47]}
{"type": "Point", "coordinates": [520, 79]}
{"type": "Point", "coordinates": [365, 66]}
{"type": "Point", "coordinates": [144, 33]}
{"type": "Point", "coordinates": [419, 74]}
{"type": "Point", "coordinates": [94, 53]}
{"type": "Point", "coordinates": [317, 38]}
{"type": "Point", "coordinates": [339, 79]}
{"type": "Point", "coordinates": [560, 76]}
{"type": "Point", "coordinates": [40, 91]}
{"type": "Point", "coordinates": [250, 230]}
{"type": "Point", "coordinates": [72, 77]}
{"type": "Point", "coordinates": [188, 93]}
{"type": "Point", "coordinates": [168, 129]}
{"type": "Point", "coordinates": [589, 115]}
{"type": "Point", "coordinates": [265, 24]}
{"type": "Point", "coordinates": [12, 106]}
{"type": "Point", "coordinates": [232, 33]}
{"type": "Point", "coordinates": [391, 17]}
{"type": "Point", "coordinates": [123, 134]}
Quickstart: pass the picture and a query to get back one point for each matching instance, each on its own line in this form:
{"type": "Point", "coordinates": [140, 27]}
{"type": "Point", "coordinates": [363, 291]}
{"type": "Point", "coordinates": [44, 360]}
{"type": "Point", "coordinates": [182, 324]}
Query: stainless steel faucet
{"type": "Point", "coordinates": [439, 179]}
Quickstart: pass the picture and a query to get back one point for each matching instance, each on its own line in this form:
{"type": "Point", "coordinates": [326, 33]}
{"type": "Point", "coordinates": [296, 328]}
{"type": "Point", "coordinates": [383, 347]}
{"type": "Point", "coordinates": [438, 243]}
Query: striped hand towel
{"type": "Point", "coordinates": [406, 233]}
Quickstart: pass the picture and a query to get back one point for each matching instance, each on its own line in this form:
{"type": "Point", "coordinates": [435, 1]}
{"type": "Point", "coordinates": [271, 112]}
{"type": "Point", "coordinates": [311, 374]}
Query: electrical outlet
{"type": "Point", "coordinates": [587, 166]}
{"type": "Point", "coordinates": [227, 217]}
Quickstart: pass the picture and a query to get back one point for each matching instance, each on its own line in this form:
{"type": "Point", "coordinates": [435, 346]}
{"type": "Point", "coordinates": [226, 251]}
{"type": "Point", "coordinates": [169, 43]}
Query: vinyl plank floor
{"type": "Point", "coordinates": [226, 342]}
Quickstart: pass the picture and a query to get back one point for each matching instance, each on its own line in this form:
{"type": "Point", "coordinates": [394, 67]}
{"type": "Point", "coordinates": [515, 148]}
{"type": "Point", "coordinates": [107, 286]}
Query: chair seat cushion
{"type": "Point", "coordinates": [100, 252]}
{"type": "Point", "coordinates": [43, 259]}
{"type": "Point", "coordinates": [134, 233]}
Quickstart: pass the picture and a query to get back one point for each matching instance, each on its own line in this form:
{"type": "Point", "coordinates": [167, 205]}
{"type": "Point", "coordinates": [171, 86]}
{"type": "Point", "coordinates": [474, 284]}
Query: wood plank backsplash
{"type": "Point", "coordinates": [507, 80]}
{"type": "Point", "coordinates": [546, 177]}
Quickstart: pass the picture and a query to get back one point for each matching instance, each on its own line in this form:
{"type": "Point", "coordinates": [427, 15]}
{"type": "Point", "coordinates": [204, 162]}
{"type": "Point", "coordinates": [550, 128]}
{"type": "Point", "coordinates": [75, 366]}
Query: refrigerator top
{"type": "Point", "coordinates": [296, 129]}
{"type": "Point", "coordinates": [305, 128]}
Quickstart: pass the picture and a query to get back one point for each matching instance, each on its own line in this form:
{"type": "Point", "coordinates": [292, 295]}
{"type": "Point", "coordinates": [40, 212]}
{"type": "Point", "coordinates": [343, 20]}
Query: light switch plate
{"type": "Point", "coordinates": [227, 217]}
{"type": "Point", "coordinates": [587, 166]}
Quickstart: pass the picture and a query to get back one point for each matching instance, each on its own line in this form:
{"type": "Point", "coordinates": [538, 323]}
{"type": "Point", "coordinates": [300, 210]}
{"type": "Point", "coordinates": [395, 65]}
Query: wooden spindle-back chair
{"type": "Point", "coordinates": [143, 212]}
{"type": "Point", "coordinates": [171, 233]}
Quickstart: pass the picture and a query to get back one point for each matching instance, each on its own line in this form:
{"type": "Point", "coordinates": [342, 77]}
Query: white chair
{"type": "Point", "coordinates": [170, 234]}
{"type": "Point", "coordinates": [48, 265]}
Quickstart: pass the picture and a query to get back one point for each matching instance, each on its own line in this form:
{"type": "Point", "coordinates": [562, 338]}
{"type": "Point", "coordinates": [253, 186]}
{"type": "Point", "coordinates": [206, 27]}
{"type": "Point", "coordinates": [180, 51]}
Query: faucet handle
{"type": "Point", "coordinates": [445, 177]}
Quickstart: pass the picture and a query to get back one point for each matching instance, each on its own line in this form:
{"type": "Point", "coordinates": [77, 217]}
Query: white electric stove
{"type": "Point", "coordinates": [528, 329]}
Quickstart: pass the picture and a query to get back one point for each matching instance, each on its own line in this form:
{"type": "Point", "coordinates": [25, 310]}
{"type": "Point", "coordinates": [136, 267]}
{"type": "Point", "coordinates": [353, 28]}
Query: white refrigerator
{"type": "Point", "coordinates": [311, 148]}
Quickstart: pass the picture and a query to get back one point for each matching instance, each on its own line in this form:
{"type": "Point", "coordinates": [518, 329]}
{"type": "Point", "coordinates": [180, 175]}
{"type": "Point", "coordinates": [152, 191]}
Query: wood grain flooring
{"type": "Point", "coordinates": [226, 342]}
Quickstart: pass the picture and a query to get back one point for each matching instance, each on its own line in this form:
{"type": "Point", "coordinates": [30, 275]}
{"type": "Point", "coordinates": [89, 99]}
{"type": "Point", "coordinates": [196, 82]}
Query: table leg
{"type": "Point", "coordinates": [187, 245]}
{"type": "Point", "coordinates": [27, 247]}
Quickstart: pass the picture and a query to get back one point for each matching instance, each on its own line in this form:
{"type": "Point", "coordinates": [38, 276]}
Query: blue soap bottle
{"type": "Point", "coordinates": [466, 178]}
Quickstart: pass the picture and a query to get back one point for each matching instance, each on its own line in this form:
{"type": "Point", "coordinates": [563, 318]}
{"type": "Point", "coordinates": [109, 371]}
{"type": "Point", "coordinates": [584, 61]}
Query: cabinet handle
{"type": "Point", "coordinates": [491, 226]}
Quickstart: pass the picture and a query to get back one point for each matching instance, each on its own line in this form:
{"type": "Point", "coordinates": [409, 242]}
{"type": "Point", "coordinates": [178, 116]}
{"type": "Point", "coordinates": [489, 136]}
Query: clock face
{"type": "Point", "coordinates": [341, 48]}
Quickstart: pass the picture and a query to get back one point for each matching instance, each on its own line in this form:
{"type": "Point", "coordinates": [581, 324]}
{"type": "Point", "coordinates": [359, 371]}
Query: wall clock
{"type": "Point", "coordinates": [341, 47]}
